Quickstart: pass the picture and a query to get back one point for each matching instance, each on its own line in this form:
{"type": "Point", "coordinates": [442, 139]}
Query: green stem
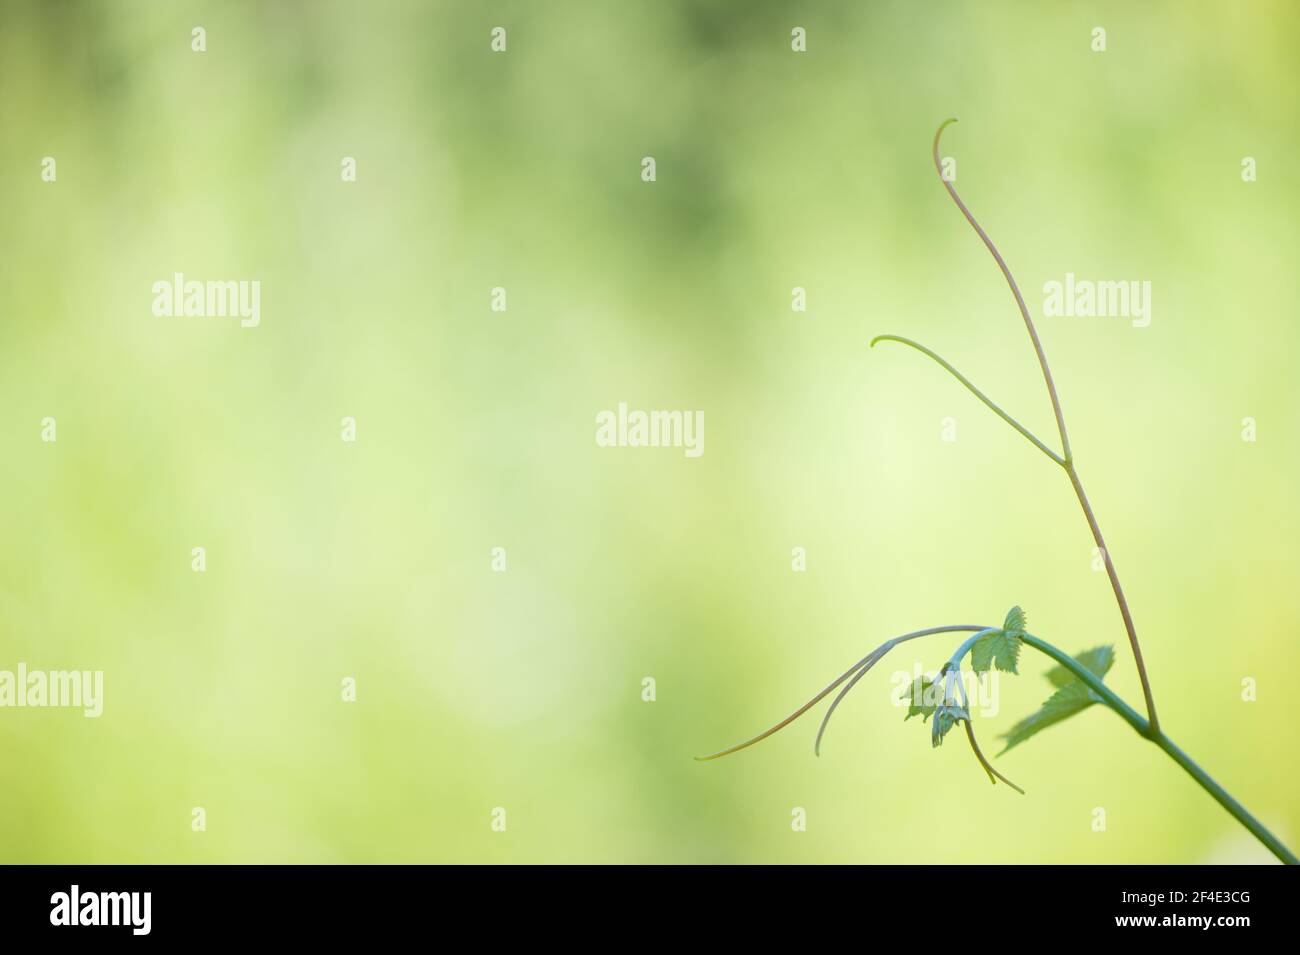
{"type": "Point", "coordinates": [1221, 796]}
{"type": "Point", "coordinates": [1157, 736]}
{"type": "Point", "coordinates": [954, 662]}
{"type": "Point", "coordinates": [1072, 472]}
{"type": "Point", "coordinates": [1105, 694]}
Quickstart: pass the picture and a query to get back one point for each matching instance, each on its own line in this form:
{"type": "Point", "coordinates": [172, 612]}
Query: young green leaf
{"type": "Point", "coordinates": [1072, 696]}
{"type": "Point", "coordinates": [945, 718]}
{"type": "Point", "coordinates": [922, 698]}
{"type": "Point", "coordinates": [1062, 704]}
{"type": "Point", "coordinates": [1000, 649]}
{"type": "Point", "coordinates": [1098, 660]}
{"type": "Point", "coordinates": [1015, 622]}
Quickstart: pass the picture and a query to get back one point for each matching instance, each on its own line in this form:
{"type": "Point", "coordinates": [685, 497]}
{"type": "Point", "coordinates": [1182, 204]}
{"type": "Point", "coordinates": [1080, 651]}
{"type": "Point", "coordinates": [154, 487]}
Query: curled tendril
{"type": "Point", "coordinates": [1015, 291]}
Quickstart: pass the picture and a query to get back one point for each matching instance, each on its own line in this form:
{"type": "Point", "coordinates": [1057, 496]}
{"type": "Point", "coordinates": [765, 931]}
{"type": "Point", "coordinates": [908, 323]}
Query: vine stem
{"type": "Point", "coordinates": [1103, 693]}
{"type": "Point", "coordinates": [1157, 736]}
{"type": "Point", "coordinates": [1147, 727]}
{"type": "Point", "coordinates": [1066, 459]}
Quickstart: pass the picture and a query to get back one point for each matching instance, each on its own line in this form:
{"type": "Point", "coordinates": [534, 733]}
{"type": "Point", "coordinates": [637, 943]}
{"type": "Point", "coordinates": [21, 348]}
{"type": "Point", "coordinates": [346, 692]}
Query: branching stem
{"type": "Point", "coordinates": [1065, 459]}
{"type": "Point", "coordinates": [1015, 290]}
{"type": "Point", "coordinates": [1147, 727]}
{"type": "Point", "coordinates": [1119, 594]}
{"type": "Point", "coordinates": [1104, 694]}
{"type": "Point", "coordinates": [1157, 736]}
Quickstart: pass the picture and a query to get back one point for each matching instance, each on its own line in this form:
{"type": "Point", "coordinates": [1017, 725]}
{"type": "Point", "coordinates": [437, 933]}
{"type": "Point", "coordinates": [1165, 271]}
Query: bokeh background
{"type": "Point", "coordinates": [476, 429]}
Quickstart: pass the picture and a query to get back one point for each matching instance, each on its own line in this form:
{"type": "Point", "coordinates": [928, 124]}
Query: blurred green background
{"type": "Point", "coordinates": [522, 689]}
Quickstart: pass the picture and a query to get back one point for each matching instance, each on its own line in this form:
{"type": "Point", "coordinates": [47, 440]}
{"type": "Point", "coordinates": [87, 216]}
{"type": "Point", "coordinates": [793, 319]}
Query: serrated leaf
{"type": "Point", "coordinates": [1098, 661]}
{"type": "Point", "coordinates": [921, 699]}
{"type": "Point", "coordinates": [1061, 705]}
{"type": "Point", "coordinates": [1015, 622]}
{"type": "Point", "coordinates": [945, 718]}
{"type": "Point", "coordinates": [1072, 696]}
{"type": "Point", "coordinates": [999, 649]}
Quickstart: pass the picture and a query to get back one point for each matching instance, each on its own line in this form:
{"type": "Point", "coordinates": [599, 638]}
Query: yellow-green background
{"type": "Point", "coordinates": [476, 429]}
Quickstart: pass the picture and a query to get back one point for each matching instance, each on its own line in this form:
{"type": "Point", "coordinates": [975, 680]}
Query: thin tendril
{"type": "Point", "coordinates": [1068, 458]}
{"type": "Point", "coordinates": [988, 767]}
{"type": "Point", "coordinates": [992, 405]}
{"type": "Point", "coordinates": [1015, 290]}
{"type": "Point", "coordinates": [974, 744]}
{"type": "Point", "coordinates": [821, 730]}
{"type": "Point", "coordinates": [868, 659]}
